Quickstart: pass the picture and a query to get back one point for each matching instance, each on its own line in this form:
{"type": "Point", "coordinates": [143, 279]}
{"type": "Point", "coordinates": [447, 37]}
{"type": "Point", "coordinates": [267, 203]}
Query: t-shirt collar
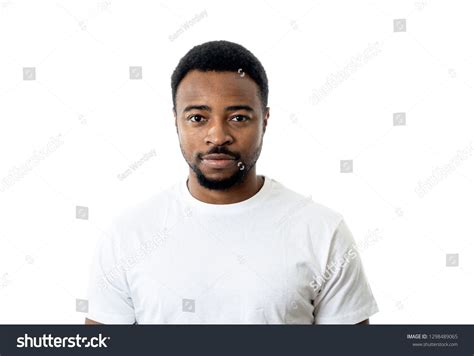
{"type": "Point", "coordinates": [243, 206]}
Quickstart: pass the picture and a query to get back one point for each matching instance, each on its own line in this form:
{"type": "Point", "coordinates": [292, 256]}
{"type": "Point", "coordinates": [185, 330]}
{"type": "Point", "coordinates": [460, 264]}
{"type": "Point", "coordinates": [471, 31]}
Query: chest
{"type": "Point", "coordinates": [210, 274]}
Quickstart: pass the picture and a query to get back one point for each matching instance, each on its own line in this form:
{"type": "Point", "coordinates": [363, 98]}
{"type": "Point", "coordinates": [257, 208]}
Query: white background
{"type": "Point", "coordinates": [408, 200]}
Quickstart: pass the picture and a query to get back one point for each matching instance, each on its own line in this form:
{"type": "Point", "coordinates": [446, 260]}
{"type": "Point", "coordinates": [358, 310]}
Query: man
{"type": "Point", "coordinates": [225, 245]}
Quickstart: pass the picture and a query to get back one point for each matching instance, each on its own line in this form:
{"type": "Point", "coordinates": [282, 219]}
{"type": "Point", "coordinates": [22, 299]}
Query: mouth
{"type": "Point", "coordinates": [218, 161]}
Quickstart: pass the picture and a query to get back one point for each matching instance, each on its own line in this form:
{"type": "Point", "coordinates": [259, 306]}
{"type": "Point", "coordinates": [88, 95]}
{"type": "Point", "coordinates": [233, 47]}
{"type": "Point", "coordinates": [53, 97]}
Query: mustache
{"type": "Point", "coordinates": [221, 150]}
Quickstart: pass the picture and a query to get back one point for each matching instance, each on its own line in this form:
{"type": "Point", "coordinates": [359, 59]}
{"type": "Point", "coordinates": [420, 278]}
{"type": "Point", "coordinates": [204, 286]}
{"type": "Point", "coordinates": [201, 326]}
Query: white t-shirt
{"type": "Point", "coordinates": [275, 258]}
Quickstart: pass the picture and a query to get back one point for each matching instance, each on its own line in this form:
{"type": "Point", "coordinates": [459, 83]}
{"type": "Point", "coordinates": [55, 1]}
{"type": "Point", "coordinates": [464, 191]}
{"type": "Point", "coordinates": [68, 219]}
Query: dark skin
{"type": "Point", "coordinates": [220, 109]}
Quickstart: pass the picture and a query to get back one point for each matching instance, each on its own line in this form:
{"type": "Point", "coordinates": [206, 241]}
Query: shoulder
{"type": "Point", "coordinates": [152, 208]}
{"type": "Point", "coordinates": [310, 225]}
{"type": "Point", "coordinates": [132, 224]}
{"type": "Point", "coordinates": [304, 209]}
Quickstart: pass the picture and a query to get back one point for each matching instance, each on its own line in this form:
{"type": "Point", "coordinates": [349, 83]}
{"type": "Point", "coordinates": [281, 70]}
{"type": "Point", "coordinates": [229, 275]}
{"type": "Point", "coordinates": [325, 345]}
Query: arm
{"type": "Point", "coordinates": [345, 297]}
{"type": "Point", "coordinates": [108, 293]}
{"type": "Point", "coordinates": [92, 322]}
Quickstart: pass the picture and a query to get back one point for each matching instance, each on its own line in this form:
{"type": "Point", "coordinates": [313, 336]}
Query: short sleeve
{"type": "Point", "coordinates": [343, 292]}
{"type": "Point", "coordinates": [108, 291]}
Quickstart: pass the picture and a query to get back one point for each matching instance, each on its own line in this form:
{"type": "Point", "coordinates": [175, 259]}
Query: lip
{"type": "Point", "coordinates": [217, 156]}
{"type": "Point", "coordinates": [218, 163]}
{"type": "Point", "coordinates": [218, 160]}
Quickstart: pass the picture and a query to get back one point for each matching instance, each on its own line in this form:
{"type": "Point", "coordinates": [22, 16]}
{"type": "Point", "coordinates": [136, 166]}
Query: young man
{"type": "Point", "coordinates": [226, 245]}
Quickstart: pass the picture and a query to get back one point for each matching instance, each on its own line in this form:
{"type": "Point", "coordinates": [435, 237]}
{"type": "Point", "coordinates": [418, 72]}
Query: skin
{"type": "Point", "coordinates": [220, 112]}
{"type": "Point", "coordinates": [92, 322]}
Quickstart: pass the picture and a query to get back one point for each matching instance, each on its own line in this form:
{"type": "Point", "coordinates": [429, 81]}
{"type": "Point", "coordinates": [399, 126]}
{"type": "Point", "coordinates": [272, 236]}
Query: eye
{"type": "Point", "coordinates": [197, 117]}
{"type": "Point", "coordinates": [245, 118]}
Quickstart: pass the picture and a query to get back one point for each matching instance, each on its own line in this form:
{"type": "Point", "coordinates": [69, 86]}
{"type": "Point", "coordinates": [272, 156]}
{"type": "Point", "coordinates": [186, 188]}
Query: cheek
{"type": "Point", "coordinates": [252, 140]}
{"type": "Point", "coordinates": [188, 137]}
{"type": "Point", "coordinates": [190, 143]}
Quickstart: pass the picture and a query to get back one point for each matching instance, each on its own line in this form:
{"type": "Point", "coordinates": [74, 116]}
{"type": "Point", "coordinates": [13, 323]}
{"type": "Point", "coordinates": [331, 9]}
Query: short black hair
{"type": "Point", "coordinates": [221, 56]}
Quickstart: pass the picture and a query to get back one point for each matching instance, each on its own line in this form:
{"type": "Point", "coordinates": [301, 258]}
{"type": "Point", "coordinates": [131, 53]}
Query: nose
{"type": "Point", "coordinates": [218, 133]}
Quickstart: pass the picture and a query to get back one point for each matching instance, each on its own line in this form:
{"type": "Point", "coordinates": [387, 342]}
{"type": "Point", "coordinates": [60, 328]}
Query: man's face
{"type": "Point", "coordinates": [219, 112]}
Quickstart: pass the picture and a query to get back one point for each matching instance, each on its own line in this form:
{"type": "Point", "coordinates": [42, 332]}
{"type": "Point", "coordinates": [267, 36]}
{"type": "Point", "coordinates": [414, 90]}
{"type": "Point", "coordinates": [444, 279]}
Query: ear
{"type": "Point", "coordinates": [266, 116]}
{"type": "Point", "coordinates": [175, 119]}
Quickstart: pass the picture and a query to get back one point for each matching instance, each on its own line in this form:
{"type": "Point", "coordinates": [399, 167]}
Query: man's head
{"type": "Point", "coordinates": [220, 93]}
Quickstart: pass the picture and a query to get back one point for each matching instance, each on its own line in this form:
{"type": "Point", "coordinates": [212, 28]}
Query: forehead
{"type": "Point", "coordinates": [200, 87]}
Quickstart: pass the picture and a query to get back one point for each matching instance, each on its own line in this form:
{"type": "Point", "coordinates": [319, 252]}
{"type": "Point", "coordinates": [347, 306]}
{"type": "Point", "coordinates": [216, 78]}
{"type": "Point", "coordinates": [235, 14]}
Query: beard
{"type": "Point", "coordinates": [236, 179]}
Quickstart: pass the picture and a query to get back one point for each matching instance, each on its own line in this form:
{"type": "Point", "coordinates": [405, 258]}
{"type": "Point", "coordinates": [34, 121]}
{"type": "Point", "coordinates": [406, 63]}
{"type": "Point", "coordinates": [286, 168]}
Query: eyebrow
{"type": "Point", "coordinates": [227, 108]}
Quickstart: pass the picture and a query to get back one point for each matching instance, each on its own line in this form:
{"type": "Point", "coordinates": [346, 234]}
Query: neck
{"type": "Point", "coordinates": [247, 189]}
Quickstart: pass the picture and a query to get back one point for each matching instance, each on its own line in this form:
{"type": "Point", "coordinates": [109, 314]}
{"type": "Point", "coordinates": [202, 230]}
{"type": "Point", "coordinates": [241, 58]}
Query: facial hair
{"type": "Point", "coordinates": [235, 179]}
